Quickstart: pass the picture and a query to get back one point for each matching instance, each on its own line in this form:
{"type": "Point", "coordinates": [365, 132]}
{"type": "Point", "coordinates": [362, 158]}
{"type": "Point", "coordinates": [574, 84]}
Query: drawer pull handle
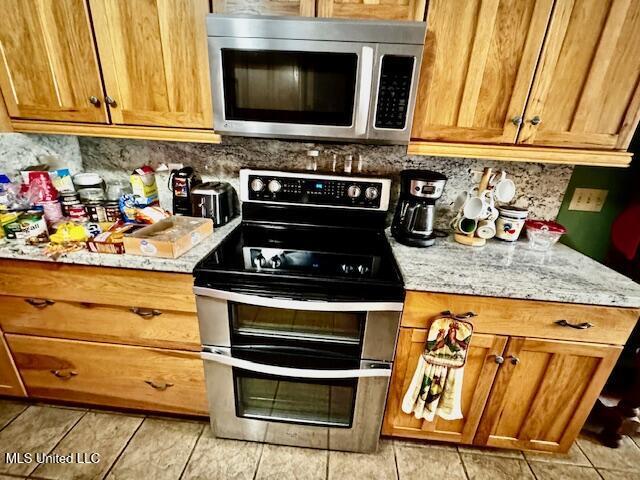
{"type": "Point", "coordinates": [162, 386]}
{"type": "Point", "coordinates": [146, 312]}
{"type": "Point", "coordinates": [64, 374]}
{"type": "Point", "coordinates": [39, 302]}
{"type": "Point", "coordinates": [448, 313]}
{"type": "Point", "coordinates": [579, 326]}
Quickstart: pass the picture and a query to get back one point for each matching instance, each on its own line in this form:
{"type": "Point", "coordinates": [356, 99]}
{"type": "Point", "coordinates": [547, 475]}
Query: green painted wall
{"type": "Point", "coordinates": [588, 232]}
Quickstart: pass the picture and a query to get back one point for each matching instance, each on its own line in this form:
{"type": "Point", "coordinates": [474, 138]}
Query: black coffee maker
{"type": "Point", "coordinates": [415, 212]}
{"type": "Point", "coordinates": [181, 182]}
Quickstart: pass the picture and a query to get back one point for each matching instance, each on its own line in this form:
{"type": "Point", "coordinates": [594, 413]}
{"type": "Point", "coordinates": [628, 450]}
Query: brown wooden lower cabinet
{"type": "Point", "coordinates": [522, 388]}
{"type": "Point", "coordinates": [543, 393]}
{"type": "Point", "coordinates": [111, 375]}
{"type": "Point", "coordinates": [10, 381]}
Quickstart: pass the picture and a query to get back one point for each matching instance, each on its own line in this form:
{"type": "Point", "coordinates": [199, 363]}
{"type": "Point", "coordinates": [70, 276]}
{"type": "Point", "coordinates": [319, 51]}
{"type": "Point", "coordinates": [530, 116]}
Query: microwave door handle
{"type": "Point", "coordinates": [224, 357]}
{"type": "Point", "coordinates": [364, 95]}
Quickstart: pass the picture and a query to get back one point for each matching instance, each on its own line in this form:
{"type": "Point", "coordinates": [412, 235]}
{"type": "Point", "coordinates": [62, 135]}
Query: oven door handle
{"type": "Point", "coordinates": [309, 305]}
{"type": "Point", "coordinates": [224, 357]}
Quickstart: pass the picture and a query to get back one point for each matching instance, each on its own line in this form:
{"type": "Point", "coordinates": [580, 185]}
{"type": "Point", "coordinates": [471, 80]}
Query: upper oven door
{"type": "Point", "coordinates": [357, 330]}
{"type": "Point", "coordinates": [284, 87]}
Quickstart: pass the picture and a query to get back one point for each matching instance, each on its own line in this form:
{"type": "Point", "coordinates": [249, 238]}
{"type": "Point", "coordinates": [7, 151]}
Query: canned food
{"type": "Point", "coordinates": [112, 211]}
{"type": "Point", "coordinates": [95, 212]}
{"type": "Point", "coordinates": [33, 228]}
{"type": "Point", "coordinates": [77, 212]}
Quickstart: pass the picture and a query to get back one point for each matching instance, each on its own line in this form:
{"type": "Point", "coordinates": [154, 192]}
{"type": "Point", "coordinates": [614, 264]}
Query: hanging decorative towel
{"type": "Point", "coordinates": [436, 387]}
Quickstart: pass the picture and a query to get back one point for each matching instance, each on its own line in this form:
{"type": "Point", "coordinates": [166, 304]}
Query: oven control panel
{"type": "Point", "coordinates": [314, 189]}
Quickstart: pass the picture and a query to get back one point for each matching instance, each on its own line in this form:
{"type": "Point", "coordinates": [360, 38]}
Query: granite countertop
{"type": "Point", "coordinates": [182, 264]}
{"type": "Point", "coordinates": [512, 270]}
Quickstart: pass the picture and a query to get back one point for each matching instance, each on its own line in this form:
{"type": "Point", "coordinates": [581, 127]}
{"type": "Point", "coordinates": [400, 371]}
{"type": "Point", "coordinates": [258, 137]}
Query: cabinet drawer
{"type": "Point", "coordinates": [524, 318]}
{"type": "Point", "coordinates": [106, 323]}
{"type": "Point", "coordinates": [111, 375]}
{"type": "Point", "coordinates": [10, 382]}
{"type": "Point", "coordinates": [101, 285]}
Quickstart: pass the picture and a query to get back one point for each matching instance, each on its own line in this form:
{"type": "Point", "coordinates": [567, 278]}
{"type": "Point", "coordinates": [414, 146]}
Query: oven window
{"type": "Point", "coordinates": [310, 402]}
{"type": "Point", "coordinates": [289, 87]}
{"type": "Point", "coordinates": [335, 327]}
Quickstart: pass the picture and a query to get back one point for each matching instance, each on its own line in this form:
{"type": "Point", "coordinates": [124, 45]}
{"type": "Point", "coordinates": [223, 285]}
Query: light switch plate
{"type": "Point", "coordinates": [588, 199]}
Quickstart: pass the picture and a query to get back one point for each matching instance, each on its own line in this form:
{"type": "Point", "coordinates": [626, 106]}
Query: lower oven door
{"type": "Point", "coordinates": [337, 408]}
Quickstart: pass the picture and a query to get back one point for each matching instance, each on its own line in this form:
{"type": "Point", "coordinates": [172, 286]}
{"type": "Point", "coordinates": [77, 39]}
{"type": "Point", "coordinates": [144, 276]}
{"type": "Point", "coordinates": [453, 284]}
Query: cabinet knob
{"type": "Point", "coordinates": [579, 326]}
{"type": "Point", "coordinates": [514, 360]}
{"type": "Point", "coordinates": [517, 120]}
{"type": "Point", "coordinates": [95, 101]}
{"type": "Point", "coordinates": [536, 120]}
{"type": "Point", "coordinates": [145, 312]}
{"type": "Point", "coordinates": [39, 302]}
{"type": "Point", "coordinates": [499, 359]}
{"type": "Point", "coordinates": [110, 101]}
{"type": "Point", "coordinates": [162, 386]}
{"type": "Point", "coordinates": [64, 374]}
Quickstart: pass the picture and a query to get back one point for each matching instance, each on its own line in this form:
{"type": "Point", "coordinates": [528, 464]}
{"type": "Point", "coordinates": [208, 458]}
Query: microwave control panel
{"type": "Point", "coordinates": [317, 190]}
{"type": "Point", "coordinates": [396, 73]}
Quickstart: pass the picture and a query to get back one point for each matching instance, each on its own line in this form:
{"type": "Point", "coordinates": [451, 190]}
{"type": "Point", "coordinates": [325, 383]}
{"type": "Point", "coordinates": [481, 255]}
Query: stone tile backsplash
{"type": "Point", "coordinates": [540, 187]}
{"type": "Point", "coordinates": [18, 151]}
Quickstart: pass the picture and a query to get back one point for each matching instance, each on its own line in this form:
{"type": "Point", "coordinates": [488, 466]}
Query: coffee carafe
{"type": "Point", "coordinates": [413, 221]}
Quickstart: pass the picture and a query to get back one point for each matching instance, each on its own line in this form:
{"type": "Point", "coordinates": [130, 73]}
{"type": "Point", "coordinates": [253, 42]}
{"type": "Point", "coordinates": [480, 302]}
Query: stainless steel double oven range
{"type": "Point", "coordinates": [299, 310]}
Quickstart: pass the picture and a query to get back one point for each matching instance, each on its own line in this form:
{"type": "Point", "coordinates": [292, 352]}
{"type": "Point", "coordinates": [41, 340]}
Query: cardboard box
{"type": "Point", "coordinates": [168, 238]}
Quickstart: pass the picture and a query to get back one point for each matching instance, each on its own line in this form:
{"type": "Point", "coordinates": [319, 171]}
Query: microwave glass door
{"type": "Point", "coordinates": [310, 326]}
{"type": "Point", "coordinates": [304, 401]}
{"type": "Point", "coordinates": [297, 87]}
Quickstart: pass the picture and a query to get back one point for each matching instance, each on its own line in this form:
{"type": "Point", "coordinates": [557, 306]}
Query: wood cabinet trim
{"type": "Point", "coordinates": [118, 131]}
{"type": "Point", "coordinates": [10, 380]}
{"type": "Point", "coordinates": [521, 153]}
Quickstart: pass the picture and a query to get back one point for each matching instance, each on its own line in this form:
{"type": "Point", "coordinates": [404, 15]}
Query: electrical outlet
{"type": "Point", "coordinates": [588, 199]}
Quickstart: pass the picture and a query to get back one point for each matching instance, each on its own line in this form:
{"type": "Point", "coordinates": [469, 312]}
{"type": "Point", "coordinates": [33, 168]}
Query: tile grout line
{"type": "Point", "coordinates": [126, 445]}
{"type": "Point", "coordinates": [255, 472]}
{"type": "Point", "coordinates": [326, 470]}
{"type": "Point", "coordinates": [464, 467]}
{"type": "Point", "coordinates": [58, 442]}
{"type": "Point", "coordinates": [195, 444]}
{"type": "Point", "coordinates": [14, 418]}
{"type": "Point", "coordinates": [395, 458]}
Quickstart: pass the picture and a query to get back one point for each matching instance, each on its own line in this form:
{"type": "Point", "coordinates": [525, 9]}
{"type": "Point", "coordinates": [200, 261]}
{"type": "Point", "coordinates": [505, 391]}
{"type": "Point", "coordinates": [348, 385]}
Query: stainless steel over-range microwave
{"type": "Point", "coordinates": [314, 78]}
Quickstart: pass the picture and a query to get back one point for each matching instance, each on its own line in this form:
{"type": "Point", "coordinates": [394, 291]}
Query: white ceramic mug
{"type": "Point", "coordinates": [503, 188]}
{"type": "Point", "coordinates": [464, 225]}
{"type": "Point", "coordinates": [486, 229]}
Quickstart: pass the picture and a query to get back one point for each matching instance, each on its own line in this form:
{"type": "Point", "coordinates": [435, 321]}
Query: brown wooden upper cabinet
{"type": "Point", "coordinates": [154, 61]}
{"type": "Point", "coordinates": [49, 69]}
{"type": "Point", "coordinates": [303, 8]}
{"type": "Point", "coordinates": [563, 73]}
{"type": "Point", "coordinates": [362, 9]}
{"type": "Point", "coordinates": [372, 9]}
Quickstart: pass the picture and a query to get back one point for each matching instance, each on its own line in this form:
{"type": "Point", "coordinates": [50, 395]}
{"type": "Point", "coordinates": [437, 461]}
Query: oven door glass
{"type": "Point", "coordinates": [316, 88]}
{"type": "Point", "coordinates": [311, 326]}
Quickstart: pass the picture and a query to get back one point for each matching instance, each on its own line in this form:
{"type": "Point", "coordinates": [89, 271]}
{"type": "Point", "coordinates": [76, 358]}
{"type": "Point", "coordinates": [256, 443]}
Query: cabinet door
{"type": "Point", "coordinates": [49, 69]}
{"type": "Point", "coordinates": [304, 8]}
{"type": "Point", "coordinates": [381, 9]}
{"type": "Point", "coordinates": [479, 373]}
{"type": "Point", "coordinates": [477, 68]}
{"type": "Point", "coordinates": [154, 60]}
{"type": "Point", "coordinates": [10, 382]}
{"type": "Point", "coordinates": [586, 91]}
{"type": "Point", "coordinates": [542, 401]}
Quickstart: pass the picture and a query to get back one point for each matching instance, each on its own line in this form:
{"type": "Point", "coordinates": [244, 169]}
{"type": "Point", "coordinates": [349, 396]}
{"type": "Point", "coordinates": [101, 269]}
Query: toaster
{"type": "Point", "coordinates": [215, 200]}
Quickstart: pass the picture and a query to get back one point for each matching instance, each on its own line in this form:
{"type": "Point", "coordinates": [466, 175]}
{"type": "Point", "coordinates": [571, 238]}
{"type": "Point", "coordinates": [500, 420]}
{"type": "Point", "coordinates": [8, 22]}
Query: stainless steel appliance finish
{"type": "Point", "coordinates": [415, 212]}
{"type": "Point", "coordinates": [215, 200]}
{"type": "Point", "coordinates": [299, 310]}
{"type": "Point", "coordinates": [314, 78]}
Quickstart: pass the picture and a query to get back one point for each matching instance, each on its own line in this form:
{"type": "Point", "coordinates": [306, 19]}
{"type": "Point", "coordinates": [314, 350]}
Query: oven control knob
{"type": "Point", "coordinates": [354, 191]}
{"type": "Point", "coordinates": [259, 261]}
{"type": "Point", "coordinates": [257, 184]}
{"type": "Point", "coordinates": [363, 269]}
{"type": "Point", "coordinates": [371, 193]}
{"type": "Point", "coordinates": [276, 261]}
{"type": "Point", "coordinates": [274, 186]}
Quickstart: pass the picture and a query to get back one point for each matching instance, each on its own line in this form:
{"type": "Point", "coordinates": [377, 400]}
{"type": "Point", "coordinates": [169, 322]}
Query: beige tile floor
{"type": "Point", "coordinates": [140, 447]}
